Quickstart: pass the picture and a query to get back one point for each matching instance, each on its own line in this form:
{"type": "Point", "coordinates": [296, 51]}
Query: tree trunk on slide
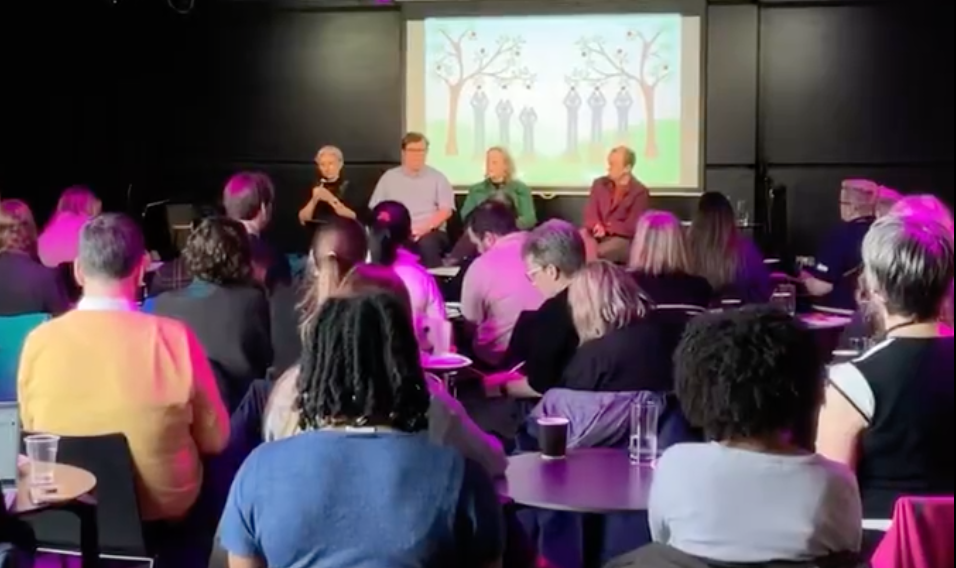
{"type": "Point", "coordinates": [651, 150]}
{"type": "Point", "coordinates": [451, 123]}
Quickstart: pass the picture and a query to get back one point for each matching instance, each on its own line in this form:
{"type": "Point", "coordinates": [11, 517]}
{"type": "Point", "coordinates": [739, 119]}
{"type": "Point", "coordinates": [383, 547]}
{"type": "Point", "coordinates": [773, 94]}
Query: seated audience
{"type": "Point", "coordinates": [886, 199]}
{"type": "Point", "coordinates": [623, 349]}
{"type": "Point", "coordinates": [362, 394]}
{"type": "Point", "coordinates": [545, 339]}
{"type": "Point", "coordinates": [60, 238]}
{"type": "Point", "coordinates": [614, 205]}
{"type": "Point", "coordinates": [748, 378]}
{"type": "Point", "coordinates": [328, 193]}
{"type": "Point", "coordinates": [337, 247]}
{"type": "Point", "coordinates": [833, 278]}
{"type": "Point", "coordinates": [248, 198]}
{"type": "Point", "coordinates": [496, 288]}
{"type": "Point", "coordinates": [448, 422]}
{"type": "Point", "coordinates": [889, 413]}
{"type": "Point", "coordinates": [501, 185]}
{"type": "Point", "coordinates": [425, 192]}
{"type": "Point", "coordinates": [27, 287]}
{"type": "Point", "coordinates": [106, 367]}
{"type": "Point", "coordinates": [661, 266]}
{"type": "Point", "coordinates": [389, 233]}
{"type": "Point", "coordinates": [723, 255]}
{"type": "Point", "coordinates": [226, 310]}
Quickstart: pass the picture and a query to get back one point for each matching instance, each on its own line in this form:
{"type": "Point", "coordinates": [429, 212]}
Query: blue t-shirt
{"type": "Point", "coordinates": [335, 499]}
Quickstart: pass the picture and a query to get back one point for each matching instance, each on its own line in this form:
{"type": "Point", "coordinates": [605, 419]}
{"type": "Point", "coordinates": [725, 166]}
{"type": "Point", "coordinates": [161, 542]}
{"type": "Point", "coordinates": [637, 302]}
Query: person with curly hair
{"type": "Point", "coordinates": [27, 287]}
{"type": "Point", "coordinates": [224, 307]}
{"type": "Point", "coordinates": [397, 497]}
{"type": "Point", "coordinates": [749, 378]}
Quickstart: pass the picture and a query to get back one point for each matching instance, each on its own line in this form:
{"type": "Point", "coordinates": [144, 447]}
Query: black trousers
{"type": "Point", "coordinates": [431, 248]}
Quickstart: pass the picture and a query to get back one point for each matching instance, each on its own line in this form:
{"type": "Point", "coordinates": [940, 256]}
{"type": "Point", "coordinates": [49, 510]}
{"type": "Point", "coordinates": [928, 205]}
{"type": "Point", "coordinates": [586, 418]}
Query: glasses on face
{"type": "Point", "coordinates": [533, 272]}
{"type": "Point", "coordinates": [416, 150]}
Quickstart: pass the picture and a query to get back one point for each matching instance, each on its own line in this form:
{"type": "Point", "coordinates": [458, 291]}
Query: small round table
{"type": "Point", "coordinates": [587, 480]}
{"type": "Point", "coordinates": [71, 483]}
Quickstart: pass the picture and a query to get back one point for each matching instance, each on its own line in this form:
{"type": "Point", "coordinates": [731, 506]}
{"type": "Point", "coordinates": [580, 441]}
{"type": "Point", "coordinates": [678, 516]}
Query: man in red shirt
{"type": "Point", "coordinates": [614, 205]}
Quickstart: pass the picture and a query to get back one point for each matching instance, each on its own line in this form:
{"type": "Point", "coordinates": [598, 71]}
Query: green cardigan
{"type": "Point", "coordinates": [519, 193]}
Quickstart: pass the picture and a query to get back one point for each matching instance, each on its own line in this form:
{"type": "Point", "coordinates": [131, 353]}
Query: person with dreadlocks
{"type": "Point", "coordinates": [361, 484]}
{"type": "Point", "coordinates": [748, 378]}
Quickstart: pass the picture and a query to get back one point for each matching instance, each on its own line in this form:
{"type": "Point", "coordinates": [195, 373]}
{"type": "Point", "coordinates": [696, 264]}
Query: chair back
{"type": "Point", "coordinates": [109, 459]}
{"type": "Point", "coordinates": [73, 290]}
{"type": "Point", "coordinates": [13, 333]}
{"type": "Point", "coordinates": [920, 535]}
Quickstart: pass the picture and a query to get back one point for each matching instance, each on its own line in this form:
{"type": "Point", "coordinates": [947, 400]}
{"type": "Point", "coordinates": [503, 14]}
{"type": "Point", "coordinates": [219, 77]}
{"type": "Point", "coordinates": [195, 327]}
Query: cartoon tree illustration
{"type": "Point", "coordinates": [647, 72]}
{"type": "Point", "coordinates": [462, 59]}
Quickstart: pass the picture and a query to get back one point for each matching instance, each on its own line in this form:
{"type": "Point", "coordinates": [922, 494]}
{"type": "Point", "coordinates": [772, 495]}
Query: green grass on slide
{"type": "Point", "coordinates": [558, 170]}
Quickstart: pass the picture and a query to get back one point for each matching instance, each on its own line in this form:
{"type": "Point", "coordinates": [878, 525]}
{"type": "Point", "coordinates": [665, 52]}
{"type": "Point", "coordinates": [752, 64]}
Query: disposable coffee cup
{"type": "Point", "coordinates": [553, 437]}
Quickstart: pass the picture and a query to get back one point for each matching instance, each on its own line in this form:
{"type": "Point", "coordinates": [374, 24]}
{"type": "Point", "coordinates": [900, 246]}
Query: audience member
{"type": "Point", "coordinates": [622, 348]}
{"type": "Point", "coordinates": [545, 339]}
{"type": "Point", "coordinates": [362, 394]}
{"type": "Point", "coordinates": [748, 378]}
{"type": "Point", "coordinates": [248, 198]}
{"type": "Point", "coordinates": [886, 199]}
{"type": "Point", "coordinates": [728, 259]}
{"type": "Point", "coordinates": [834, 276]}
{"type": "Point", "coordinates": [59, 241]}
{"type": "Point", "coordinates": [223, 306]}
{"type": "Point", "coordinates": [500, 184]}
{"type": "Point", "coordinates": [614, 205]}
{"type": "Point", "coordinates": [389, 234]}
{"type": "Point", "coordinates": [661, 265]}
{"type": "Point", "coordinates": [27, 286]}
{"type": "Point", "coordinates": [106, 367]}
{"type": "Point", "coordinates": [889, 413]}
{"type": "Point", "coordinates": [496, 288]}
{"type": "Point", "coordinates": [425, 192]}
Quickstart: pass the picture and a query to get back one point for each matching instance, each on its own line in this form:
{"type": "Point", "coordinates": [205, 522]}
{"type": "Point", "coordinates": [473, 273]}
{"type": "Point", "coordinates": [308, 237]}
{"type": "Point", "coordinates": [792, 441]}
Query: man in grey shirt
{"type": "Point", "coordinates": [425, 192]}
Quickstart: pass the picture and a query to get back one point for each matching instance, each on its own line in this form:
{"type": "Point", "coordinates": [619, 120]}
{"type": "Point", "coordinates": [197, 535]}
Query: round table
{"type": "Point", "coordinates": [587, 480]}
{"type": "Point", "coordinates": [71, 483]}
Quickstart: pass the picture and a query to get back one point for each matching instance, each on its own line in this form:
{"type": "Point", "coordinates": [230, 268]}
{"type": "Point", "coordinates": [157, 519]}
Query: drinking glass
{"type": "Point", "coordinates": [785, 298]}
{"type": "Point", "coordinates": [860, 344]}
{"type": "Point", "coordinates": [743, 213]}
{"type": "Point", "coordinates": [42, 450]}
{"type": "Point", "coordinates": [645, 414]}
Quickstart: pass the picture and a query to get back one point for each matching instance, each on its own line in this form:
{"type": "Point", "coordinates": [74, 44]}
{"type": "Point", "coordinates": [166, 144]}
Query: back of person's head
{"type": "Point", "coordinates": [389, 231]}
{"type": "Point", "coordinates": [491, 219]}
{"type": "Point", "coordinates": [858, 198]}
{"type": "Point", "coordinates": [714, 241]}
{"type": "Point", "coordinates": [908, 266]}
{"type": "Point", "coordinates": [360, 367]}
{"type": "Point", "coordinates": [218, 251]}
{"type": "Point", "coordinates": [248, 195]}
{"type": "Point", "coordinates": [374, 279]}
{"type": "Point", "coordinates": [751, 373]}
{"type": "Point", "coordinates": [927, 205]}
{"type": "Point", "coordinates": [112, 249]}
{"type": "Point", "coordinates": [556, 245]}
{"type": "Point", "coordinates": [603, 298]}
{"type": "Point", "coordinates": [337, 246]}
{"type": "Point", "coordinates": [886, 199]}
{"type": "Point", "coordinates": [79, 200]}
{"type": "Point", "coordinates": [18, 230]}
{"type": "Point", "coordinates": [658, 246]}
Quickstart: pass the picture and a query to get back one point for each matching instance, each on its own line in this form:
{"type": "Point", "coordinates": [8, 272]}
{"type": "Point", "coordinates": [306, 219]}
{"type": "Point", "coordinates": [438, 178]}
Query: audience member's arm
{"type": "Point", "coordinates": [473, 296]}
{"type": "Point", "coordinates": [829, 268]}
{"type": "Point", "coordinates": [236, 532]}
{"type": "Point", "coordinates": [450, 425]}
{"type": "Point", "coordinates": [24, 382]}
{"type": "Point", "coordinates": [524, 204]}
{"type": "Point", "coordinates": [56, 300]}
{"type": "Point", "coordinates": [847, 404]}
{"type": "Point", "coordinates": [210, 427]}
{"type": "Point", "coordinates": [480, 527]}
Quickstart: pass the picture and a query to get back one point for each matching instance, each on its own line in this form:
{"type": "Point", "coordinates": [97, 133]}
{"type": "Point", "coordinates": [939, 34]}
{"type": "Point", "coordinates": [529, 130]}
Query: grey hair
{"type": "Point", "coordinates": [556, 243]}
{"type": "Point", "coordinates": [111, 247]}
{"type": "Point", "coordinates": [908, 262]}
{"type": "Point", "coordinates": [886, 199]}
{"type": "Point", "coordinates": [630, 157]}
{"type": "Point", "coordinates": [333, 151]}
{"type": "Point", "coordinates": [604, 297]}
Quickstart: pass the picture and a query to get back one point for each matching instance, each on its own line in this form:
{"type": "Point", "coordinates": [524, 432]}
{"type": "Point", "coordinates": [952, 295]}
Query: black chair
{"type": "Point", "coordinates": [109, 459]}
{"type": "Point", "coordinates": [68, 281]}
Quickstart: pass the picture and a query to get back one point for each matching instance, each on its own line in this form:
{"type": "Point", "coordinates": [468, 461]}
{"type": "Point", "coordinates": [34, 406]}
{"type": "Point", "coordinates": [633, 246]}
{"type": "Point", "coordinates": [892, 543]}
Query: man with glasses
{"type": "Point", "coordinates": [425, 192]}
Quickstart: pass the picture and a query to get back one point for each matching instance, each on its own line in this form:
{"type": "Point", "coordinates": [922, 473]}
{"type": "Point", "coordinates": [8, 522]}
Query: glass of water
{"type": "Point", "coordinates": [645, 415]}
{"type": "Point", "coordinates": [42, 450]}
{"type": "Point", "coordinates": [785, 298]}
{"type": "Point", "coordinates": [743, 213]}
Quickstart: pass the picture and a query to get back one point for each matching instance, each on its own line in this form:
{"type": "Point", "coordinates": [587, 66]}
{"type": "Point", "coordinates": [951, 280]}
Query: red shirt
{"type": "Point", "coordinates": [617, 211]}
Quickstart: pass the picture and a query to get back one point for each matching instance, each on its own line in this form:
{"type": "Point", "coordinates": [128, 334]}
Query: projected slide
{"type": "Point", "coordinates": [559, 92]}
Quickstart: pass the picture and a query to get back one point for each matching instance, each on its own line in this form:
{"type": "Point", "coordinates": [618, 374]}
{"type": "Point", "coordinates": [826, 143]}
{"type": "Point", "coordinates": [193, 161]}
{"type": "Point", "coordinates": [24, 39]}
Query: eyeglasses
{"type": "Point", "coordinates": [531, 273]}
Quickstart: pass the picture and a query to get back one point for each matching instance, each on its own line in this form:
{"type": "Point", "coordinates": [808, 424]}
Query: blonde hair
{"type": "Point", "coordinates": [79, 200]}
{"type": "Point", "coordinates": [886, 199]}
{"type": "Point", "coordinates": [603, 297]}
{"type": "Point", "coordinates": [18, 230]}
{"type": "Point", "coordinates": [509, 161]}
{"type": "Point", "coordinates": [659, 245]}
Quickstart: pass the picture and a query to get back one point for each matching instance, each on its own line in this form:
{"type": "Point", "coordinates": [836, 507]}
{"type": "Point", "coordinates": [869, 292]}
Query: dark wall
{"type": "Point", "coordinates": [132, 93]}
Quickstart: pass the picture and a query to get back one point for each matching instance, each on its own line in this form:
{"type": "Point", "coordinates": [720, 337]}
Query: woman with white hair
{"type": "Point", "coordinates": [889, 413]}
{"type": "Point", "coordinates": [328, 193]}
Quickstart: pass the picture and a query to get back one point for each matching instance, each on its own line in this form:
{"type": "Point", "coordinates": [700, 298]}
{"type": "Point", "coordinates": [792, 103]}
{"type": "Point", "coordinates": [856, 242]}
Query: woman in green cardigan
{"type": "Point", "coordinates": [499, 183]}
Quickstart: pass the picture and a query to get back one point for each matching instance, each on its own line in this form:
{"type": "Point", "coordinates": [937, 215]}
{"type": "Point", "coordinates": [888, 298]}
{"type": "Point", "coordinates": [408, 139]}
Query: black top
{"type": "Point", "coordinates": [752, 284]}
{"type": "Point", "coordinates": [28, 287]}
{"type": "Point", "coordinates": [676, 289]}
{"type": "Point", "coordinates": [907, 449]}
{"type": "Point", "coordinates": [545, 340]}
{"type": "Point", "coordinates": [840, 261]}
{"type": "Point", "coordinates": [275, 264]}
{"type": "Point", "coordinates": [233, 325]}
{"type": "Point", "coordinates": [633, 358]}
{"type": "Point", "coordinates": [323, 211]}
{"type": "Point", "coordinates": [286, 343]}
